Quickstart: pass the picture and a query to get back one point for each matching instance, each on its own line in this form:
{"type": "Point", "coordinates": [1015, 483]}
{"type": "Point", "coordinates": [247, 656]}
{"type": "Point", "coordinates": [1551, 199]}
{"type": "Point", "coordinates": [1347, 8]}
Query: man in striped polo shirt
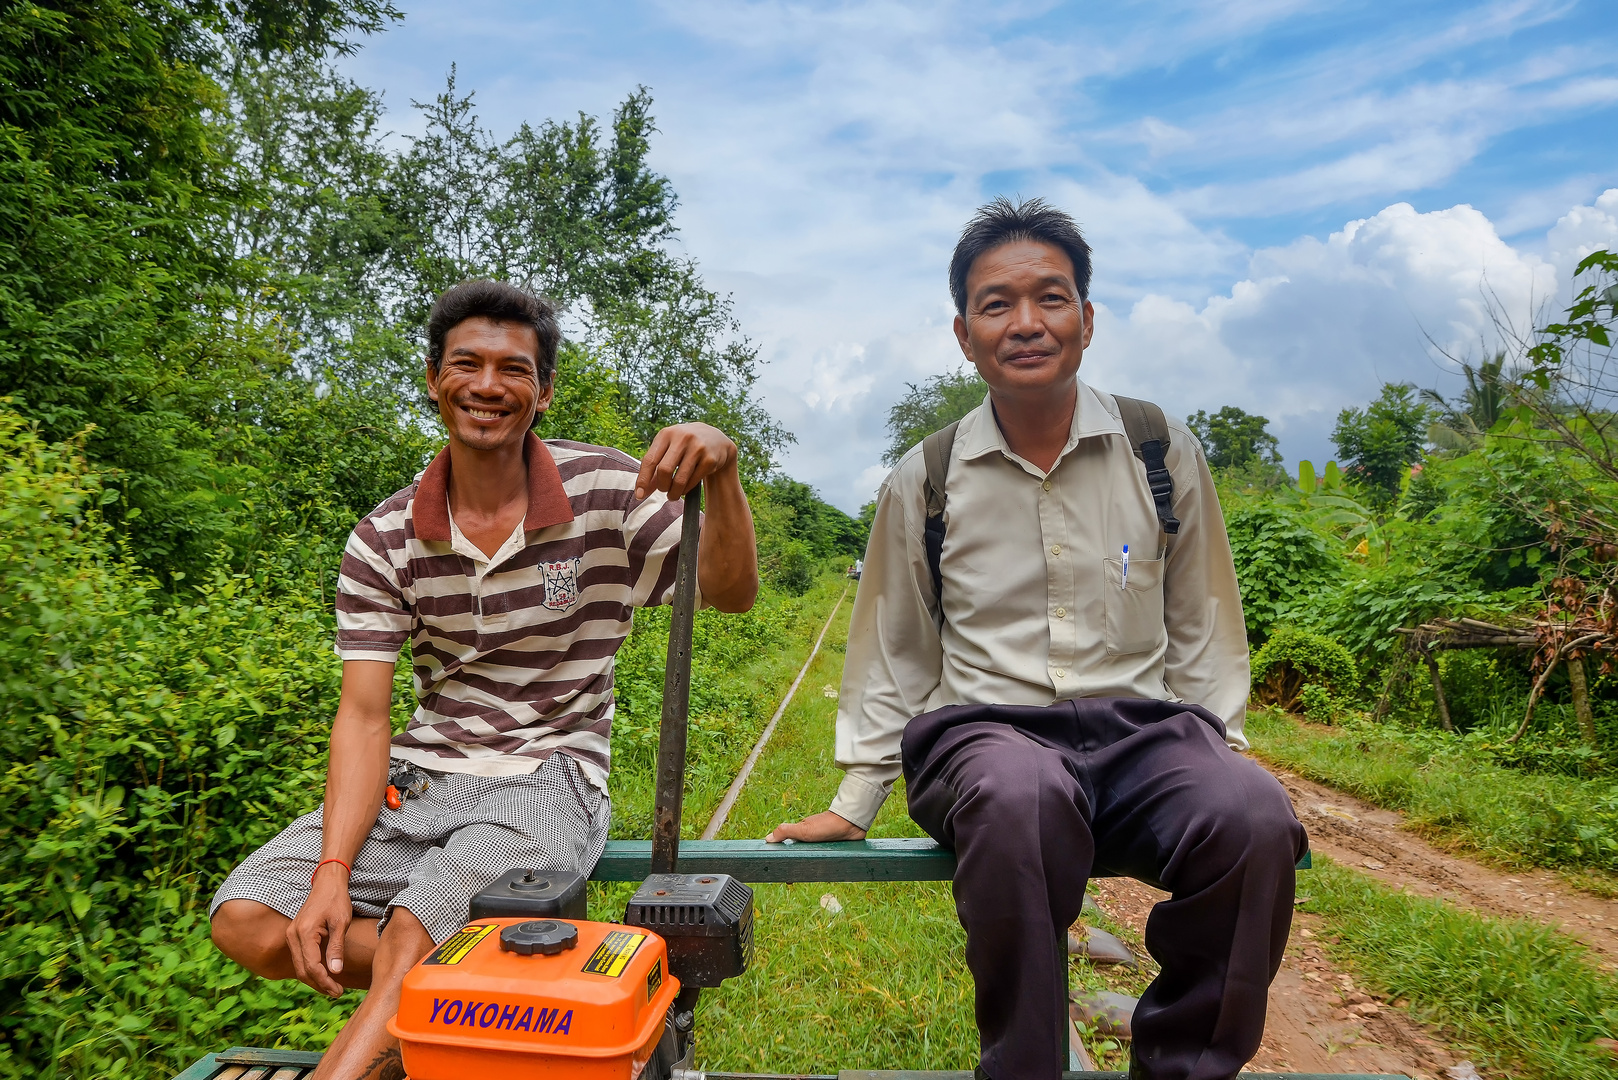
{"type": "Point", "coordinates": [512, 565]}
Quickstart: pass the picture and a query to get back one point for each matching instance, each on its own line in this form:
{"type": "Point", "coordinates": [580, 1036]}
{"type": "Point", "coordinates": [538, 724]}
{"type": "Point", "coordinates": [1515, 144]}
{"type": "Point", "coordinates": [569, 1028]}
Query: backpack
{"type": "Point", "coordinates": [1145, 427]}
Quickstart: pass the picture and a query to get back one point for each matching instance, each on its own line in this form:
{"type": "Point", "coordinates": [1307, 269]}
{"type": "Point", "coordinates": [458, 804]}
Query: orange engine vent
{"type": "Point", "coordinates": [519, 998]}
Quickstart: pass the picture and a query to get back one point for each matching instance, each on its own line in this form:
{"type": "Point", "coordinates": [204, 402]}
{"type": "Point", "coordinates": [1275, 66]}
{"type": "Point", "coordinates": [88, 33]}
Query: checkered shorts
{"type": "Point", "coordinates": [435, 851]}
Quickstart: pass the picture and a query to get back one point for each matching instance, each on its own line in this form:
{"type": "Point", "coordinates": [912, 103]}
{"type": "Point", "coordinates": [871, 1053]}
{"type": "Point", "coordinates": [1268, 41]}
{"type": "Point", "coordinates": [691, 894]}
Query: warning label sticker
{"type": "Point", "coordinates": [612, 955]}
{"type": "Point", "coordinates": [654, 979]}
{"type": "Point", "coordinates": [460, 944]}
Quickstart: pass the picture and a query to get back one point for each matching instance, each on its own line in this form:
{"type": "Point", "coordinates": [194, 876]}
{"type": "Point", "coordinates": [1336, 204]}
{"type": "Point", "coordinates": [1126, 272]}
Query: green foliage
{"type": "Point", "coordinates": [794, 571]}
{"type": "Point", "coordinates": [798, 532]}
{"type": "Point", "coordinates": [936, 403]}
{"type": "Point", "coordinates": [148, 746]}
{"type": "Point", "coordinates": [1462, 424]}
{"type": "Point", "coordinates": [213, 268]}
{"type": "Point", "coordinates": [824, 529]}
{"type": "Point", "coordinates": [1278, 559]}
{"type": "Point", "coordinates": [1380, 441]}
{"type": "Point", "coordinates": [1234, 439]}
{"type": "Point", "coordinates": [1293, 659]}
{"type": "Point", "coordinates": [1585, 325]}
{"type": "Point", "coordinates": [151, 741]}
{"type": "Point", "coordinates": [1318, 703]}
{"type": "Point", "coordinates": [365, 237]}
{"type": "Point", "coordinates": [119, 296]}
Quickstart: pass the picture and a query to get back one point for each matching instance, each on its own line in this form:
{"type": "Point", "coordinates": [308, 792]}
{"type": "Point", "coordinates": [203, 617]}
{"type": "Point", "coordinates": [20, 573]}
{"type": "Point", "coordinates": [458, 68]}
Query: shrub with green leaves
{"type": "Point", "coordinates": [1278, 560]}
{"type": "Point", "coordinates": [148, 745]}
{"type": "Point", "coordinates": [1318, 703]}
{"type": "Point", "coordinates": [1293, 659]}
{"type": "Point", "coordinates": [151, 740]}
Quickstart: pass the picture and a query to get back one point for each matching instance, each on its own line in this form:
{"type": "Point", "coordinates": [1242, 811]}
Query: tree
{"type": "Point", "coordinates": [1234, 439]}
{"type": "Point", "coordinates": [936, 403]}
{"type": "Point", "coordinates": [1462, 423]}
{"type": "Point", "coordinates": [367, 238]}
{"type": "Point", "coordinates": [825, 529]}
{"type": "Point", "coordinates": [118, 296]}
{"type": "Point", "coordinates": [1379, 442]}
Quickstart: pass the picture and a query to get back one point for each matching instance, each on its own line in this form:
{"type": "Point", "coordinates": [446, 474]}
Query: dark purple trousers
{"type": "Point", "coordinates": [1034, 800]}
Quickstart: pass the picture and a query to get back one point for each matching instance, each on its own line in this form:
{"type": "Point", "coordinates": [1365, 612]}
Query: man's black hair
{"type": "Point", "coordinates": [501, 302]}
{"type": "Point", "coordinates": [1002, 222]}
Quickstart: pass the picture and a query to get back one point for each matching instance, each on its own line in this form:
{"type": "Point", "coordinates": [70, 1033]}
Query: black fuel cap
{"type": "Point", "coordinates": [543, 936]}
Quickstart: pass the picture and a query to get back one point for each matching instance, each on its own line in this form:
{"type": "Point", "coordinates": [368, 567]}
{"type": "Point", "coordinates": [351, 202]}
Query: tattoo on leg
{"type": "Point", "coordinates": [388, 1065]}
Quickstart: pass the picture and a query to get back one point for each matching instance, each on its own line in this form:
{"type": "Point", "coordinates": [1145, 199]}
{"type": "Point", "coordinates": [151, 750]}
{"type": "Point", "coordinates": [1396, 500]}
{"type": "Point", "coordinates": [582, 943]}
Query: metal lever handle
{"type": "Point", "coordinates": [671, 738]}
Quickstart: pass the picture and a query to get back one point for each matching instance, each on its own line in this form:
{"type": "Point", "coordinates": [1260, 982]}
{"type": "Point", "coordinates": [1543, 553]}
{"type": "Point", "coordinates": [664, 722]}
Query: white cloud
{"type": "Point", "coordinates": [1319, 325]}
{"type": "Point", "coordinates": [1582, 230]}
{"type": "Point", "coordinates": [826, 156]}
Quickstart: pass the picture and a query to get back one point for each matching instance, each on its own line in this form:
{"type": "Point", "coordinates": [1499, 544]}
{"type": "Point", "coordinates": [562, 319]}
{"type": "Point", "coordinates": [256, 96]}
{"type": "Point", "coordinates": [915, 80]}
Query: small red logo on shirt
{"type": "Point", "coordinates": [561, 584]}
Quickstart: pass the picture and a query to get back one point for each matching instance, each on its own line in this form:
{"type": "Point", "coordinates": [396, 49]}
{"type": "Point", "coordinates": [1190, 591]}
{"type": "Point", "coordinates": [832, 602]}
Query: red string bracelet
{"type": "Point", "coordinates": [323, 862]}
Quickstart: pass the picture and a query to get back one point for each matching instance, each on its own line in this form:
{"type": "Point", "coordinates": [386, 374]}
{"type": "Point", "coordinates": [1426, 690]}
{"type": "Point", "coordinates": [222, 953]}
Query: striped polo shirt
{"type": "Point", "coordinates": [513, 654]}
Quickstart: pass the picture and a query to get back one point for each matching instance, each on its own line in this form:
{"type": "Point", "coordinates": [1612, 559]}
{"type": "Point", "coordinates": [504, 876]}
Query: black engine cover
{"type": "Point", "coordinates": [706, 919]}
{"type": "Point", "coordinates": [532, 894]}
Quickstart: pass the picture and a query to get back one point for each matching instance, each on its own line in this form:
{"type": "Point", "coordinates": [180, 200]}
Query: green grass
{"type": "Point", "coordinates": [741, 668]}
{"type": "Point", "coordinates": [1525, 1000]}
{"type": "Point", "coordinates": [1509, 816]}
{"type": "Point", "coordinates": [883, 984]}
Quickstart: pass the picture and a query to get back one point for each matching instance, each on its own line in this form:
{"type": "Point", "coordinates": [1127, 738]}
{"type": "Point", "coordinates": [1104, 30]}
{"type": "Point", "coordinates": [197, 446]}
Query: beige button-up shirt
{"type": "Point", "coordinates": [1036, 605]}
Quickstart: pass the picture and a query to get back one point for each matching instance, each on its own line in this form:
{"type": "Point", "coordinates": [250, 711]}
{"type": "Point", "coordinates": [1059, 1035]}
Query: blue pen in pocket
{"type": "Point", "coordinates": [1123, 576]}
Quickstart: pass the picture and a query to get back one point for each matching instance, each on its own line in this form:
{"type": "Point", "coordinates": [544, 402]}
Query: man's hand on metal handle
{"type": "Point", "coordinates": [315, 936]}
{"type": "Point", "coordinates": [681, 457]}
{"type": "Point", "coordinates": [817, 829]}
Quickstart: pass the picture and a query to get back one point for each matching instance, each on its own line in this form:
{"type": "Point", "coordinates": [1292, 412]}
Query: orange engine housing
{"type": "Point", "coordinates": [592, 1012]}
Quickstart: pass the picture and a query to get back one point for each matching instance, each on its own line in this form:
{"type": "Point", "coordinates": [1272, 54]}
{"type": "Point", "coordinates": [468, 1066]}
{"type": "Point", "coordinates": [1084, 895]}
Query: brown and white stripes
{"type": "Point", "coordinates": [513, 655]}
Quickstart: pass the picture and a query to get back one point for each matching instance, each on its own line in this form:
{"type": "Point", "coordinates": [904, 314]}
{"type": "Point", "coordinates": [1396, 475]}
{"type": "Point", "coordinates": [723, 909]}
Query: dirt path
{"type": "Point", "coordinates": [1319, 1021]}
{"type": "Point", "coordinates": [1374, 842]}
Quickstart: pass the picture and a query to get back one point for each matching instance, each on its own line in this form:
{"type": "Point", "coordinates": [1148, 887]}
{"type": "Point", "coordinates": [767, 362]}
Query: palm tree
{"type": "Point", "coordinates": [1467, 419]}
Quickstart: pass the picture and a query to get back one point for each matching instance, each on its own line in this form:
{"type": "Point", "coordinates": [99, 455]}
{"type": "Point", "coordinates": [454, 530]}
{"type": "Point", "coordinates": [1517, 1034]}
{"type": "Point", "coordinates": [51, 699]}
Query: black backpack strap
{"type": "Point", "coordinates": [935, 451]}
{"type": "Point", "coordinates": [1148, 432]}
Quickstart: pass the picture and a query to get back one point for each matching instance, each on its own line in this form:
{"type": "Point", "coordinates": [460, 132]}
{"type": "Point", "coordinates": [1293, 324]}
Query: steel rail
{"type": "Point", "coordinates": [717, 822]}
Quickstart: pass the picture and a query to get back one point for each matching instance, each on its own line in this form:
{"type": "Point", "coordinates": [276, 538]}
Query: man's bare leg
{"type": "Point", "coordinates": [365, 1050]}
{"type": "Point", "coordinates": [255, 936]}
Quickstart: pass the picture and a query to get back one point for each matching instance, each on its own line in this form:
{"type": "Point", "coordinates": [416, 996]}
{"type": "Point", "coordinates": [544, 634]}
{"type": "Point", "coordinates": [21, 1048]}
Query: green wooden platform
{"type": "Point", "coordinates": [755, 861]}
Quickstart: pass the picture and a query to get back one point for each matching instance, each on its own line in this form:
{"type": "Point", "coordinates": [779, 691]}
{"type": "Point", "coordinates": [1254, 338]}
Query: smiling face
{"type": "Point", "coordinates": [1026, 326]}
{"type": "Point", "coordinates": [487, 385]}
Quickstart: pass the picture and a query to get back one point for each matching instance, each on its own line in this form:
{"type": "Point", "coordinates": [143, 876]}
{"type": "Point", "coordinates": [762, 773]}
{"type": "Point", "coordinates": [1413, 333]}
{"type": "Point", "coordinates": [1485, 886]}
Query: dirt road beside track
{"type": "Point", "coordinates": [1319, 1020]}
{"type": "Point", "coordinates": [1374, 842]}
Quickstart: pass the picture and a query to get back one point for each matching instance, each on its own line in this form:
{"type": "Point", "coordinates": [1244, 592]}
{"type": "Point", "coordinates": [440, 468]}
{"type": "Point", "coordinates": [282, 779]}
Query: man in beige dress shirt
{"type": "Point", "coordinates": [1056, 705]}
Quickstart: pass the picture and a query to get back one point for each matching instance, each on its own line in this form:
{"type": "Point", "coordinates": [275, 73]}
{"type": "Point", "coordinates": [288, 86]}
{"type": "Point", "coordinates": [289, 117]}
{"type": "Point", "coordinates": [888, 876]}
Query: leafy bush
{"type": "Point", "coordinates": [795, 571]}
{"type": "Point", "coordinates": [1278, 560]}
{"type": "Point", "coordinates": [151, 742]}
{"type": "Point", "coordinates": [1294, 658]}
{"type": "Point", "coordinates": [149, 745]}
{"type": "Point", "coordinates": [1318, 703]}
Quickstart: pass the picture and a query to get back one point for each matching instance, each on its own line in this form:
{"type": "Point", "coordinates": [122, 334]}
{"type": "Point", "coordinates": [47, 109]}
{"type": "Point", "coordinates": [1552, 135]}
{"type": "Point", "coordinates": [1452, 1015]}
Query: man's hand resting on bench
{"type": "Point", "coordinates": [817, 829]}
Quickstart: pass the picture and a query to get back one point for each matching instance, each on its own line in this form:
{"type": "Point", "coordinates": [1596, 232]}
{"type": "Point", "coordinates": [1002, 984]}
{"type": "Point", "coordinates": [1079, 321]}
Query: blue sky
{"type": "Point", "coordinates": [1287, 199]}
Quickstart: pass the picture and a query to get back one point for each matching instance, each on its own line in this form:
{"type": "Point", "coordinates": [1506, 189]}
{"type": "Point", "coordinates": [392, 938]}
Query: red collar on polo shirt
{"type": "Point", "coordinates": [547, 500]}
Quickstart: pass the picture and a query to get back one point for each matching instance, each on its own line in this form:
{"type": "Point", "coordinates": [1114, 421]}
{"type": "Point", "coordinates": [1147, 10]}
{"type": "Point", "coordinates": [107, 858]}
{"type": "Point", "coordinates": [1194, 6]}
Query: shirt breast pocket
{"type": "Point", "coordinates": [1134, 606]}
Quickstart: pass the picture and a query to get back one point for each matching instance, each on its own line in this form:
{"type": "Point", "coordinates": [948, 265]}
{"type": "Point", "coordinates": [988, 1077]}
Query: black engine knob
{"type": "Point", "coordinates": [545, 937]}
